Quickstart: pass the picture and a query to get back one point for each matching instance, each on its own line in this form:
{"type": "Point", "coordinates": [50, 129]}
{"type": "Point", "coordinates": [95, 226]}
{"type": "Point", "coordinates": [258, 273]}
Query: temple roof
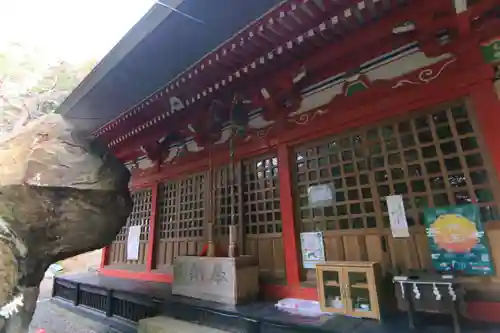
{"type": "Point", "coordinates": [159, 47]}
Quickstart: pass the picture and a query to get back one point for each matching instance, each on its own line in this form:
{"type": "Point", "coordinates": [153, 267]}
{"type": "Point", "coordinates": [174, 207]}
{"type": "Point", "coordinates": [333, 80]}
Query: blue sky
{"type": "Point", "coordinates": [76, 30]}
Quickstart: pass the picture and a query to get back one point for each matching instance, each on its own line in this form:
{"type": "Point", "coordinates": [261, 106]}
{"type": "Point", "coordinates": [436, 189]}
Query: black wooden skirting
{"type": "Point", "coordinates": [114, 308]}
{"type": "Point", "coordinates": [121, 303]}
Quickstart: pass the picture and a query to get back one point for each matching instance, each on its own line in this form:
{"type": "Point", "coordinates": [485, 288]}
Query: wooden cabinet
{"type": "Point", "coordinates": [350, 287]}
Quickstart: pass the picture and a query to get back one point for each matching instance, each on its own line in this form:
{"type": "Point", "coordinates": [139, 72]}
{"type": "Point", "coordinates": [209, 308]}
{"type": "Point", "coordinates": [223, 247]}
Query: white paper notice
{"type": "Point", "coordinates": [397, 216]}
{"type": "Point", "coordinates": [313, 249]}
{"type": "Point", "coordinates": [134, 235]}
{"type": "Point", "coordinates": [321, 195]}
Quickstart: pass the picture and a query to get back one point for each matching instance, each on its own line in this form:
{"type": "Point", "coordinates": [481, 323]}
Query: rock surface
{"type": "Point", "coordinates": [61, 194]}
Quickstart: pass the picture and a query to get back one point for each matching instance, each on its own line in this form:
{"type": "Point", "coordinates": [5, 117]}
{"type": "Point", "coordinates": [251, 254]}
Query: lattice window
{"type": "Point", "coordinates": [433, 160]}
{"type": "Point", "coordinates": [181, 208]}
{"type": "Point", "coordinates": [223, 185]}
{"type": "Point", "coordinates": [167, 210]}
{"type": "Point", "coordinates": [140, 215]}
{"type": "Point", "coordinates": [341, 164]}
{"type": "Point", "coordinates": [191, 206]}
{"type": "Point", "coordinates": [261, 196]}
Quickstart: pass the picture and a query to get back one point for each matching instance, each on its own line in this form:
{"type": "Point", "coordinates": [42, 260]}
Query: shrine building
{"type": "Point", "coordinates": [285, 118]}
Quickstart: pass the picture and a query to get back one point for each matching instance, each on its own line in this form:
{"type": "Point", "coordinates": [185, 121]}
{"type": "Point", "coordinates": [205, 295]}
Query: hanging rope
{"type": "Point", "coordinates": [231, 160]}
{"type": "Point", "coordinates": [210, 247]}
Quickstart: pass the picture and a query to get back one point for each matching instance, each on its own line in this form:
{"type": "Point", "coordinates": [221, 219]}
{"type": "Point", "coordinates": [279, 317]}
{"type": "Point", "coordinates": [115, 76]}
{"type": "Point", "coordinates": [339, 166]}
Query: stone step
{"type": "Point", "coordinates": [170, 325]}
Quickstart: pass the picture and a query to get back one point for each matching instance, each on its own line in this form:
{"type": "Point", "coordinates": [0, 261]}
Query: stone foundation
{"type": "Point", "coordinates": [171, 325]}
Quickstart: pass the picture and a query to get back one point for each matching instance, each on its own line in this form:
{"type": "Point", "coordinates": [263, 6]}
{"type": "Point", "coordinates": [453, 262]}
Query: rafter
{"type": "Point", "coordinates": [337, 52]}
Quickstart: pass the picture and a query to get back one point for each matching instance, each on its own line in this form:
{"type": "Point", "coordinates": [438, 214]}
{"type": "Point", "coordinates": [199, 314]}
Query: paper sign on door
{"type": "Point", "coordinates": [397, 216]}
{"type": "Point", "coordinates": [133, 240]}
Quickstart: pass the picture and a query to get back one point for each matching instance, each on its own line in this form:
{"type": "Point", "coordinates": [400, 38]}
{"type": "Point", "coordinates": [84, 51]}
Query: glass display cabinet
{"type": "Point", "coordinates": [349, 287]}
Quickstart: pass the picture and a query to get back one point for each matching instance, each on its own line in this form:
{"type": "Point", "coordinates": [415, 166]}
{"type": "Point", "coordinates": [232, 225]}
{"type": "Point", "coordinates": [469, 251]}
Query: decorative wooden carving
{"type": "Point", "coordinates": [240, 108]}
{"type": "Point", "coordinates": [207, 129]}
{"type": "Point", "coordinates": [283, 95]}
{"type": "Point", "coordinates": [306, 101]}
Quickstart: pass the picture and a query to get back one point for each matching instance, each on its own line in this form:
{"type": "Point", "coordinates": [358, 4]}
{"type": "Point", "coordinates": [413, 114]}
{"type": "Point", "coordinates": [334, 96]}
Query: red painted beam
{"type": "Point", "coordinates": [289, 231]}
{"type": "Point", "coordinates": [486, 103]}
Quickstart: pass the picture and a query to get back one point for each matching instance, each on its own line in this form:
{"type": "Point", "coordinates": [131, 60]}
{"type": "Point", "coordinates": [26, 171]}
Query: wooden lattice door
{"type": "Point", "coordinates": [140, 216]}
{"type": "Point", "coordinates": [262, 215]}
{"type": "Point", "coordinates": [226, 204]}
{"type": "Point", "coordinates": [181, 219]}
{"type": "Point", "coordinates": [433, 158]}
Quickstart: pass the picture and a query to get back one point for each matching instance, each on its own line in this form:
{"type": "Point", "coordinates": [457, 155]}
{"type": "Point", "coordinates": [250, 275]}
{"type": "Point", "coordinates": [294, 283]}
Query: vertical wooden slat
{"type": "Point", "coordinates": [278, 263]}
{"type": "Point", "coordinates": [241, 220]}
{"type": "Point", "coordinates": [183, 248]}
{"type": "Point", "coordinates": [494, 241]}
{"type": "Point", "coordinates": [265, 255]}
{"type": "Point", "coordinates": [170, 253]}
{"type": "Point", "coordinates": [375, 251]}
{"type": "Point", "coordinates": [423, 251]}
{"type": "Point", "coordinates": [352, 248]}
{"type": "Point", "coordinates": [334, 248]}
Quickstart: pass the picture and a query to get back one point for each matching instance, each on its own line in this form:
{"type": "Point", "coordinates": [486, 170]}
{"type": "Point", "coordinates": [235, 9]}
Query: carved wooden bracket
{"type": "Point", "coordinates": [206, 128]}
{"type": "Point", "coordinates": [283, 95]}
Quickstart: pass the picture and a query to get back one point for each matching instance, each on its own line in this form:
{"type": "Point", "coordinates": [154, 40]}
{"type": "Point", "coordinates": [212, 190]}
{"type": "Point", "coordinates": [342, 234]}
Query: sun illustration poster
{"type": "Point", "coordinates": [454, 233]}
{"type": "Point", "coordinates": [457, 240]}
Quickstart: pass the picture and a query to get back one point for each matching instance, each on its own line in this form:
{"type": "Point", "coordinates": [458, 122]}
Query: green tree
{"type": "Point", "coordinates": [33, 84]}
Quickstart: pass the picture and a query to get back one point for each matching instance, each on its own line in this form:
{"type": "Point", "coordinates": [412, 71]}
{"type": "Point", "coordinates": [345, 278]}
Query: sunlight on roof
{"type": "Point", "coordinates": [75, 30]}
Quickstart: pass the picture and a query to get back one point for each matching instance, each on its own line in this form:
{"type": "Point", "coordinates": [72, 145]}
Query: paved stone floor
{"type": "Point", "coordinates": [55, 319]}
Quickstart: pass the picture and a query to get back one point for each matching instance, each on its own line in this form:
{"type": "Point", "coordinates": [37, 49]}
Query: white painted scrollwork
{"type": "Point", "coordinates": [425, 76]}
{"type": "Point", "coordinates": [307, 117]}
{"type": "Point", "coordinates": [225, 135]}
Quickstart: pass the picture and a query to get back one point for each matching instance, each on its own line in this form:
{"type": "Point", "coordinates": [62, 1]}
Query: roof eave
{"type": "Point", "coordinates": [132, 38]}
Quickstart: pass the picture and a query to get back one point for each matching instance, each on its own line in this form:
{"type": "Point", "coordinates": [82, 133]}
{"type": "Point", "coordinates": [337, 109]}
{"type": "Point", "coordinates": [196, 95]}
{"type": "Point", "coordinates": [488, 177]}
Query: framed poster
{"type": "Point", "coordinates": [457, 240]}
{"type": "Point", "coordinates": [312, 248]}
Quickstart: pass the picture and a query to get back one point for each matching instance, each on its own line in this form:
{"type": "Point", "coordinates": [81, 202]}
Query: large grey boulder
{"type": "Point", "coordinates": [61, 194]}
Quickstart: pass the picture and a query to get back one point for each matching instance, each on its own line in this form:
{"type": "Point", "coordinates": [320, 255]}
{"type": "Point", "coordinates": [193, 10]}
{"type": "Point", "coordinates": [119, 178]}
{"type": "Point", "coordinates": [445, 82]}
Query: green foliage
{"type": "Point", "coordinates": [33, 84]}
